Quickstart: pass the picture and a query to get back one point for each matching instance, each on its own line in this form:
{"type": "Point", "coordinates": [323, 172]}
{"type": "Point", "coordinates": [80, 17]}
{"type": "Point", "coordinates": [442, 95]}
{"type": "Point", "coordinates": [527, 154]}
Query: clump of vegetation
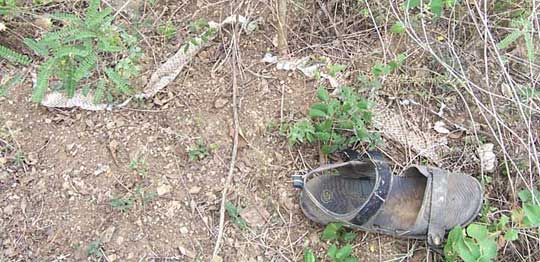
{"type": "Point", "coordinates": [80, 51]}
{"type": "Point", "coordinates": [234, 214]}
{"type": "Point", "coordinates": [200, 150]}
{"type": "Point", "coordinates": [336, 122]}
{"type": "Point", "coordinates": [477, 242]}
{"type": "Point", "coordinates": [167, 30]}
{"type": "Point", "coordinates": [337, 252]}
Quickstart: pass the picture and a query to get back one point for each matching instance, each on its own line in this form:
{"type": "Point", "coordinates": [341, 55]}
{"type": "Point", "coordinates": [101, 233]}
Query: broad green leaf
{"type": "Point", "coordinates": [349, 236]}
{"type": "Point", "coordinates": [331, 232]}
{"type": "Point", "coordinates": [488, 248]}
{"type": "Point", "coordinates": [316, 113]}
{"type": "Point", "coordinates": [344, 251]}
{"type": "Point", "coordinates": [322, 94]}
{"type": "Point", "coordinates": [350, 259]}
{"type": "Point", "coordinates": [436, 7]}
{"type": "Point", "coordinates": [477, 231]}
{"type": "Point", "coordinates": [525, 195]}
{"type": "Point", "coordinates": [511, 234]}
{"type": "Point", "coordinates": [509, 39]}
{"type": "Point", "coordinates": [308, 255]}
{"type": "Point", "coordinates": [468, 250]}
{"type": "Point", "coordinates": [398, 28]}
{"type": "Point", "coordinates": [532, 213]}
{"type": "Point", "coordinates": [332, 251]}
{"type": "Point", "coordinates": [503, 220]}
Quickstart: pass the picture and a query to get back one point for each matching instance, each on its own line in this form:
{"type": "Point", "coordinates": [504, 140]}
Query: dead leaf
{"type": "Point", "coordinates": [113, 148]}
{"type": "Point", "coordinates": [488, 160]}
{"type": "Point", "coordinates": [255, 215]}
{"type": "Point", "coordinates": [440, 127]}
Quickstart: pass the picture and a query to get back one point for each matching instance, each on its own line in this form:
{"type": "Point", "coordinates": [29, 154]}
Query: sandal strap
{"type": "Point", "coordinates": [380, 192]}
{"type": "Point", "coordinates": [437, 218]}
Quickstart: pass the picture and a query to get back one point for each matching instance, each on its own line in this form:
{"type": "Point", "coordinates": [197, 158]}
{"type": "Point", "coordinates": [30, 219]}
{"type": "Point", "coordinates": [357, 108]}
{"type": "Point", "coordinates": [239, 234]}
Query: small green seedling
{"type": "Point", "coordinates": [139, 165]}
{"type": "Point", "coordinates": [167, 30]}
{"type": "Point", "coordinates": [198, 151]}
{"type": "Point", "coordinates": [122, 204]}
{"type": "Point", "coordinates": [94, 249]}
{"type": "Point", "coordinates": [341, 254]}
{"type": "Point", "coordinates": [233, 213]}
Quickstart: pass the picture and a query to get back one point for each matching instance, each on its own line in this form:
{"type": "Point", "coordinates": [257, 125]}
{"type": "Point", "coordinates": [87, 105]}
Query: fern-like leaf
{"type": "Point", "coordinates": [509, 39]}
{"type": "Point", "coordinates": [86, 66]}
{"type": "Point", "coordinates": [99, 19]}
{"type": "Point", "coordinates": [14, 56]}
{"type": "Point", "coordinates": [80, 35]}
{"type": "Point", "coordinates": [70, 83]}
{"type": "Point", "coordinates": [38, 48]}
{"type": "Point", "coordinates": [60, 34]}
{"type": "Point", "coordinates": [42, 82]}
{"type": "Point", "coordinates": [120, 83]}
{"type": "Point", "coordinates": [70, 51]}
{"type": "Point", "coordinates": [100, 91]}
{"type": "Point", "coordinates": [66, 17]}
{"type": "Point", "coordinates": [529, 45]}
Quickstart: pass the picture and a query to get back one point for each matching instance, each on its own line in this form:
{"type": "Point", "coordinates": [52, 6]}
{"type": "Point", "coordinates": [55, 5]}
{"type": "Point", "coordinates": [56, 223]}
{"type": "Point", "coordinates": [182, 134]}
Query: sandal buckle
{"type": "Point", "coordinates": [298, 181]}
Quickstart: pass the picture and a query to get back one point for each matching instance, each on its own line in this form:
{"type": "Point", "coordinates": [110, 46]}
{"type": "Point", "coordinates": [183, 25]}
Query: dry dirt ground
{"type": "Point", "coordinates": [121, 185]}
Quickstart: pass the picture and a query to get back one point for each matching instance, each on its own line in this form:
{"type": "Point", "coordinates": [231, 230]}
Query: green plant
{"type": "Point", "coordinates": [528, 215]}
{"type": "Point", "coordinates": [337, 233]}
{"type": "Point", "coordinates": [521, 28]}
{"type": "Point", "coordinates": [14, 56]}
{"type": "Point", "coordinates": [9, 83]}
{"type": "Point", "coordinates": [436, 6]}
{"type": "Point", "coordinates": [334, 69]}
{"type": "Point", "coordinates": [122, 204]}
{"type": "Point", "coordinates": [139, 165]}
{"type": "Point", "coordinates": [168, 30]}
{"type": "Point", "coordinates": [342, 254]}
{"type": "Point", "coordinates": [380, 70]}
{"type": "Point", "coordinates": [198, 151]}
{"type": "Point", "coordinates": [336, 122]}
{"type": "Point", "coordinates": [309, 256]}
{"type": "Point", "coordinates": [202, 30]}
{"type": "Point", "coordinates": [233, 213]}
{"type": "Point", "coordinates": [398, 28]}
{"type": "Point", "coordinates": [79, 50]}
{"type": "Point", "coordinates": [8, 6]}
{"type": "Point", "coordinates": [19, 158]}
{"type": "Point", "coordinates": [475, 243]}
{"type": "Point", "coordinates": [145, 196]}
{"type": "Point", "coordinates": [94, 249]}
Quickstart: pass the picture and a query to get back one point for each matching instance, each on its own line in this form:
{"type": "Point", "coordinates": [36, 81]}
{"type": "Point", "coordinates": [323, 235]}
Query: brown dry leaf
{"type": "Point", "coordinates": [255, 215]}
{"type": "Point", "coordinates": [113, 148]}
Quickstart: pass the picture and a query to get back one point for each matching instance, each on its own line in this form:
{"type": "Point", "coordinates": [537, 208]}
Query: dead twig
{"type": "Point", "coordinates": [233, 63]}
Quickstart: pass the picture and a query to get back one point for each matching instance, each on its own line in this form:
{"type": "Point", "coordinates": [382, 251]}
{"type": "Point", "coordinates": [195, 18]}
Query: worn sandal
{"type": "Point", "coordinates": [422, 203]}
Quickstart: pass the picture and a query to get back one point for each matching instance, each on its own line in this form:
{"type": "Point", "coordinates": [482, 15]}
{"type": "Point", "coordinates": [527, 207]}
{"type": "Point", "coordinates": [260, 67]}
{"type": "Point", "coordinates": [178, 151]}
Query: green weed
{"type": "Point", "coordinates": [139, 165]}
{"type": "Point", "coordinates": [335, 232]}
{"type": "Point", "coordinates": [9, 83]}
{"type": "Point", "coordinates": [80, 49]}
{"type": "Point", "coordinates": [122, 204]}
{"type": "Point", "coordinates": [198, 151]}
{"type": "Point", "coordinates": [477, 242]}
{"type": "Point", "coordinates": [94, 249]}
{"type": "Point", "coordinates": [336, 122]}
{"type": "Point", "coordinates": [233, 213]}
{"type": "Point", "coordinates": [167, 30]}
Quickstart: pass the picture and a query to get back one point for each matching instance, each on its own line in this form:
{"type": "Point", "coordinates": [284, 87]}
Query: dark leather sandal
{"type": "Point", "coordinates": [422, 203]}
